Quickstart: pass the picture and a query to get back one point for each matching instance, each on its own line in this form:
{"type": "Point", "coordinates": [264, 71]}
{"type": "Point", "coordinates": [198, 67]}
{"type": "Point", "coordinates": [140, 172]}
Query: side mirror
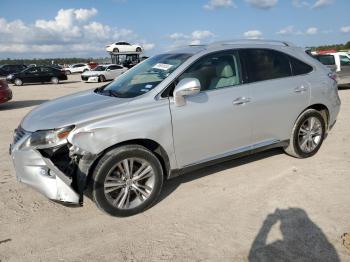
{"type": "Point", "coordinates": [186, 87]}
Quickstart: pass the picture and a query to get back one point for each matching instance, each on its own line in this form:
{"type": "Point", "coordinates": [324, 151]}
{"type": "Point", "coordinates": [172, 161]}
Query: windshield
{"type": "Point", "coordinates": [145, 76]}
{"type": "Point", "coordinates": [99, 68]}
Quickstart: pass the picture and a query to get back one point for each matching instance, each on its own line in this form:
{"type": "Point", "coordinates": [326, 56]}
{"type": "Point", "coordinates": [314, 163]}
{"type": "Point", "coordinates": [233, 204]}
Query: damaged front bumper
{"type": "Point", "coordinates": [39, 172]}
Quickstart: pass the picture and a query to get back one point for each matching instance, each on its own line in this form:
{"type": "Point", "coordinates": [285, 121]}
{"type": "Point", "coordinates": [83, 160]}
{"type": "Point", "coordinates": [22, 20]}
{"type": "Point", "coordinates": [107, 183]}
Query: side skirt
{"type": "Point", "coordinates": [177, 172]}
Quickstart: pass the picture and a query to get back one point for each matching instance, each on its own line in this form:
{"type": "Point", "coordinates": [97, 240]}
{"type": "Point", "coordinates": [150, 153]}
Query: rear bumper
{"type": "Point", "coordinates": [5, 95]}
{"type": "Point", "coordinates": [41, 174]}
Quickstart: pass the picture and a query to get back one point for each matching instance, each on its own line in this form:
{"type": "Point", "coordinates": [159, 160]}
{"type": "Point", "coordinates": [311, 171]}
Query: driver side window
{"type": "Point", "coordinates": [215, 71]}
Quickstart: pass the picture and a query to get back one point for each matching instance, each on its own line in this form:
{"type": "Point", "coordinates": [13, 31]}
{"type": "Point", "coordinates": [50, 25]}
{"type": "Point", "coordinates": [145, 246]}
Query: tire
{"type": "Point", "coordinates": [18, 82]}
{"type": "Point", "coordinates": [139, 49]}
{"type": "Point", "coordinates": [85, 70]}
{"type": "Point", "coordinates": [68, 72]}
{"type": "Point", "coordinates": [54, 80]}
{"type": "Point", "coordinates": [115, 50]}
{"type": "Point", "coordinates": [101, 78]}
{"type": "Point", "coordinates": [123, 198]}
{"type": "Point", "coordinates": [303, 142]}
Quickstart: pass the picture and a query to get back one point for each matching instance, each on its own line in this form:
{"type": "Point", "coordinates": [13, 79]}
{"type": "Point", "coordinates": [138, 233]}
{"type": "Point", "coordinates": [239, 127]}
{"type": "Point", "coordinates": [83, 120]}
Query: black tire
{"type": "Point", "coordinates": [18, 82]}
{"type": "Point", "coordinates": [115, 50]}
{"type": "Point", "coordinates": [294, 149]}
{"type": "Point", "coordinates": [101, 78]}
{"type": "Point", "coordinates": [107, 164]}
{"type": "Point", "coordinates": [138, 49]}
{"type": "Point", "coordinates": [54, 80]}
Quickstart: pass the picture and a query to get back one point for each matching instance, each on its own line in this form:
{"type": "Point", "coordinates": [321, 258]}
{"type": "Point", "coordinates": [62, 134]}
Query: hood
{"type": "Point", "coordinates": [72, 110]}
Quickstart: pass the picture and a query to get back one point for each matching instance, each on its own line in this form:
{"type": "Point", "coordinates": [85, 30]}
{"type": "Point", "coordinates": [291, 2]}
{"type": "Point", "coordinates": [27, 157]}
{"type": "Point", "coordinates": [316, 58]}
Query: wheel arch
{"type": "Point", "coordinates": [151, 145]}
{"type": "Point", "coordinates": [323, 109]}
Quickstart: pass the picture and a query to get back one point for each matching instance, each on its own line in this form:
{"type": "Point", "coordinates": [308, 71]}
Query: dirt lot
{"type": "Point", "coordinates": [264, 206]}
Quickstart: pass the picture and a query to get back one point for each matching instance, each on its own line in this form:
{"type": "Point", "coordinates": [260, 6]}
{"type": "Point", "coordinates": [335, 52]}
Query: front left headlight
{"type": "Point", "coordinates": [48, 138]}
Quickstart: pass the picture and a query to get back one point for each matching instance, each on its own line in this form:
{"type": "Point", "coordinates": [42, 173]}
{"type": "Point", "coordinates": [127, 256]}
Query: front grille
{"type": "Point", "coordinates": [19, 133]}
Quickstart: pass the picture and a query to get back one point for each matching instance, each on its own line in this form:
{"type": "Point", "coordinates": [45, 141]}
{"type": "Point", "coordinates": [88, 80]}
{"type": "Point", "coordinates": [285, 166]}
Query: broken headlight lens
{"type": "Point", "coordinates": [48, 138]}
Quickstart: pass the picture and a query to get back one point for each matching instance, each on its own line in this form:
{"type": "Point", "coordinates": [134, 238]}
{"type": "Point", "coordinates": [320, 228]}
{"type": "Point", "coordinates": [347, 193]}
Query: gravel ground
{"type": "Point", "coordinates": [267, 206]}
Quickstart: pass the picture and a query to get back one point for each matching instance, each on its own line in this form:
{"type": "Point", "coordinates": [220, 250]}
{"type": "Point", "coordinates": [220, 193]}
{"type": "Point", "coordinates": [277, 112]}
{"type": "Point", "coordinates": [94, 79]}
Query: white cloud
{"type": "Point", "coordinates": [262, 4]}
{"type": "Point", "coordinates": [195, 38]}
{"type": "Point", "coordinates": [345, 29]}
{"type": "Point", "coordinates": [300, 3]}
{"type": "Point", "coordinates": [253, 34]}
{"type": "Point", "coordinates": [70, 32]}
{"type": "Point", "coordinates": [312, 31]}
{"type": "Point", "coordinates": [322, 3]}
{"type": "Point", "coordinates": [213, 4]}
{"type": "Point", "coordinates": [287, 30]}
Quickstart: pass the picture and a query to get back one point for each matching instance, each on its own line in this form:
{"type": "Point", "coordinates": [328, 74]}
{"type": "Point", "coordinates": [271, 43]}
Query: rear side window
{"type": "Point", "coordinates": [299, 67]}
{"type": "Point", "coordinates": [344, 60]}
{"type": "Point", "coordinates": [265, 64]}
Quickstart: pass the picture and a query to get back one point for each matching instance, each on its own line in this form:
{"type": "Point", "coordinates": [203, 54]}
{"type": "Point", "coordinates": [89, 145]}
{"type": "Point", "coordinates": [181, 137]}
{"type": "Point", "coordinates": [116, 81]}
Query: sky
{"type": "Point", "coordinates": [82, 28]}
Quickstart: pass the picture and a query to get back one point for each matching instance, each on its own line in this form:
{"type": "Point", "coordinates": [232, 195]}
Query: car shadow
{"type": "Point", "coordinates": [171, 185]}
{"type": "Point", "coordinates": [20, 104]}
{"type": "Point", "coordinates": [343, 87]}
{"type": "Point", "coordinates": [302, 239]}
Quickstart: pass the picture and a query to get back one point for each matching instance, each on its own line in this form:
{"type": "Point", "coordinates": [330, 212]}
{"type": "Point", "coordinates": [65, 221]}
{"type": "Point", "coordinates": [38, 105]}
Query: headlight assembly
{"type": "Point", "coordinates": [48, 138]}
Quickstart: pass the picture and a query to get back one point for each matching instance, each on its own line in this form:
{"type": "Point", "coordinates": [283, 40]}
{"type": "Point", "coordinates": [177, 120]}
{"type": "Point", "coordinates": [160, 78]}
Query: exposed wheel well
{"type": "Point", "coordinates": [324, 112]}
{"type": "Point", "coordinates": [151, 145]}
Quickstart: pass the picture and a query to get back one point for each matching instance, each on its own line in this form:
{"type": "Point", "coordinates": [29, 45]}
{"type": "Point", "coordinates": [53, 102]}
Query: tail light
{"type": "Point", "coordinates": [333, 76]}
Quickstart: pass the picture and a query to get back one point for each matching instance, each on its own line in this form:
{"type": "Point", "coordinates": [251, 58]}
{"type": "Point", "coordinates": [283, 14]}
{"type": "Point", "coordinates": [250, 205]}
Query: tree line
{"type": "Point", "coordinates": [337, 47]}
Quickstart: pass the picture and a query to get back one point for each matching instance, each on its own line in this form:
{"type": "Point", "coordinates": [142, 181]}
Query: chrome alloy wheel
{"type": "Point", "coordinates": [129, 183]}
{"type": "Point", "coordinates": [310, 134]}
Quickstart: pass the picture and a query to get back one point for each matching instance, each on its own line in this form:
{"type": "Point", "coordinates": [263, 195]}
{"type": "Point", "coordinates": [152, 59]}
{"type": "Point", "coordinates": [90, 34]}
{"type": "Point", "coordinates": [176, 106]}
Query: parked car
{"type": "Point", "coordinates": [37, 74]}
{"type": "Point", "coordinates": [76, 68]}
{"type": "Point", "coordinates": [103, 73]}
{"type": "Point", "coordinates": [338, 62]}
{"type": "Point", "coordinates": [5, 70]}
{"type": "Point", "coordinates": [121, 47]}
{"type": "Point", "coordinates": [173, 113]}
{"type": "Point", "coordinates": [5, 92]}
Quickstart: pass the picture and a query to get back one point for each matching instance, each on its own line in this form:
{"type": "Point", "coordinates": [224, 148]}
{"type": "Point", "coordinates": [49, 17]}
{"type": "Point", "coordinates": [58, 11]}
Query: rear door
{"type": "Point", "coordinates": [46, 74]}
{"type": "Point", "coordinates": [216, 122]}
{"type": "Point", "coordinates": [278, 97]}
{"type": "Point", "coordinates": [31, 75]}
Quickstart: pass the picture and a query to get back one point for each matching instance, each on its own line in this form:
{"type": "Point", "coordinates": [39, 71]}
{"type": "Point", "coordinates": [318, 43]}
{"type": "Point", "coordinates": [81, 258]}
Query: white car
{"type": "Point", "coordinates": [103, 73]}
{"type": "Point", "coordinates": [76, 68]}
{"type": "Point", "coordinates": [122, 47]}
{"type": "Point", "coordinates": [338, 62]}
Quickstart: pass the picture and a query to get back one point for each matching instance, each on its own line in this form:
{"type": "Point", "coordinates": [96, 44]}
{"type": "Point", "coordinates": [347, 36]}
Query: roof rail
{"type": "Point", "coordinates": [250, 41]}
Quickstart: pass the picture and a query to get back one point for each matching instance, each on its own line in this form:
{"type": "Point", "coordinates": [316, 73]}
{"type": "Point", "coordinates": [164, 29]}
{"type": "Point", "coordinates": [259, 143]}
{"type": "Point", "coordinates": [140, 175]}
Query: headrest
{"type": "Point", "coordinates": [224, 70]}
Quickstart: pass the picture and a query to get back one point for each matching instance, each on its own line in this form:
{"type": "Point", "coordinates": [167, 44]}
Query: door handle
{"type": "Point", "coordinates": [300, 89]}
{"type": "Point", "coordinates": [241, 101]}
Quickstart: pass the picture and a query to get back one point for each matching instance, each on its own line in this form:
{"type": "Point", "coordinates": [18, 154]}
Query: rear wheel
{"type": "Point", "coordinates": [18, 82]}
{"type": "Point", "coordinates": [127, 180]}
{"type": "Point", "coordinates": [138, 49]}
{"type": "Point", "coordinates": [307, 135]}
{"type": "Point", "coordinates": [54, 80]}
{"type": "Point", "coordinates": [116, 50]}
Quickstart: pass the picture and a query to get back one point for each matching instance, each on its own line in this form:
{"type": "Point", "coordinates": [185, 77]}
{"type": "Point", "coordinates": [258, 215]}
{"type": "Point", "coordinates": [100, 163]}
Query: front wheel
{"type": "Point", "coordinates": [54, 80]}
{"type": "Point", "coordinates": [18, 82]}
{"type": "Point", "coordinates": [307, 135]}
{"type": "Point", "coordinates": [138, 49]}
{"type": "Point", "coordinates": [101, 78]}
{"type": "Point", "coordinates": [127, 180]}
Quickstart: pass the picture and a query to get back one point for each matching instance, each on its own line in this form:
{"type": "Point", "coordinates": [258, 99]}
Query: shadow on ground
{"type": "Point", "coordinates": [20, 104]}
{"type": "Point", "coordinates": [302, 239]}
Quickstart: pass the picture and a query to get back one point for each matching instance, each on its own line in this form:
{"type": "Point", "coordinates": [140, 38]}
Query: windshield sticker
{"type": "Point", "coordinates": [148, 86]}
{"type": "Point", "coordinates": [161, 66]}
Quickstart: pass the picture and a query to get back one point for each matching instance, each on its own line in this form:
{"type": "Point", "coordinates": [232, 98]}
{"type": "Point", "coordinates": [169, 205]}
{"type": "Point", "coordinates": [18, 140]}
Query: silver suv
{"type": "Point", "coordinates": [173, 113]}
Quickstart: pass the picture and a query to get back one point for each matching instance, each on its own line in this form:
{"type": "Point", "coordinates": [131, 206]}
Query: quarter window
{"type": "Point", "coordinates": [265, 64]}
{"type": "Point", "coordinates": [215, 71]}
{"type": "Point", "coordinates": [344, 60]}
{"type": "Point", "coordinates": [299, 67]}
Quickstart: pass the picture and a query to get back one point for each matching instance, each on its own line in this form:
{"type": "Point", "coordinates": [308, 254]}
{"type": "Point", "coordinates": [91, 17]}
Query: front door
{"type": "Point", "coordinates": [217, 121]}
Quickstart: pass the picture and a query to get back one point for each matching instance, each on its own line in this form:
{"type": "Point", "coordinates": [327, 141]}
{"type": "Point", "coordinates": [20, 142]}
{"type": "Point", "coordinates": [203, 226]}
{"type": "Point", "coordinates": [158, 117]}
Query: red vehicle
{"type": "Point", "coordinates": [5, 92]}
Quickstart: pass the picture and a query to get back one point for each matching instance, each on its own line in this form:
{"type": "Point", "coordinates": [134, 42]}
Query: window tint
{"type": "Point", "coordinates": [114, 67]}
{"type": "Point", "coordinates": [326, 59]}
{"type": "Point", "coordinates": [46, 69]}
{"type": "Point", "coordinates": [215, 71]}
{"type": "Point", "coordinates": [33, 70]}
{"type": "Point", "coordinates": [344, 60]}
{"type": "Point", "coordinates": [264, 64]}
{"type": "Point", "coordinates": [299, 67]}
